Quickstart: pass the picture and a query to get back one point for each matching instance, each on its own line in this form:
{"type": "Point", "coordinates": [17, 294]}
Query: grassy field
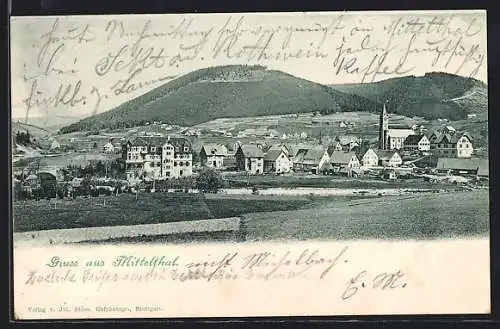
{"type": "Point", "coordinates": [425, 216]}
{"type": "Point", "coordinates": [149, 208]}
{"type": "Point", "coordinates": [419, 216]}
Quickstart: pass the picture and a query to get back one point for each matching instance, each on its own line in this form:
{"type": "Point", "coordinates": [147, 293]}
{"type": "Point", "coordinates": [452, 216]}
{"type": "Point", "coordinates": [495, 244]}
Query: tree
{"type": "Point", "coordinates": [209, 180]}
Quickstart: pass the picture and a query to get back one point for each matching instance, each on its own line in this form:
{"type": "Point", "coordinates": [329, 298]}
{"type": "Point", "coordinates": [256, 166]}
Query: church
{"type": "Point", "coordinates": [392, 137]}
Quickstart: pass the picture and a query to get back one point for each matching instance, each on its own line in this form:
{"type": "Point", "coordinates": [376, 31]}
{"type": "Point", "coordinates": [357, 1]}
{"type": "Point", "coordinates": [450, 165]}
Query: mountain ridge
{"type": "Point", "coordinates": [234, 91]}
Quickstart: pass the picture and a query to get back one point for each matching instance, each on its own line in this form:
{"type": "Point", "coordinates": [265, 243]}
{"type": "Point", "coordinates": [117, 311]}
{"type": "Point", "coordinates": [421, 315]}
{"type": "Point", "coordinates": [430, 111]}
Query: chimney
{"type": "Point", "coordinates": [168, 138]}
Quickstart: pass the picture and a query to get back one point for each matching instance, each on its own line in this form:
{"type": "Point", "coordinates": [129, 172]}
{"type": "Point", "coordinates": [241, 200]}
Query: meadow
{"type": "Point", "coordinates": [148, 208]}
{"type": "Point", "coordinates": [417, 216]}
{"type": "Point", "coordinates": [422, 216]}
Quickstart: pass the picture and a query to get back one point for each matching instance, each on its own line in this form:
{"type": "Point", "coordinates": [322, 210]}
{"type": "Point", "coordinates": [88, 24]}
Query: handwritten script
{"type": "Point", "coordinates": [310, 264]}
{"type": "Point", "coordinates": [91, 65]}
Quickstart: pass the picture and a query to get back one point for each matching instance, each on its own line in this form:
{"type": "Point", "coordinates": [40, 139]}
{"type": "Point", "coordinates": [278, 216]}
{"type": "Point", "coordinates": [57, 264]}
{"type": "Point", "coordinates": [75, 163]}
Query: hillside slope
{"type": "Point", "coordinates": [432, 96]}
{"type": "Point", "coordinates": [223, 92]}
{"type": "Point", "coordinates": [236, 91]}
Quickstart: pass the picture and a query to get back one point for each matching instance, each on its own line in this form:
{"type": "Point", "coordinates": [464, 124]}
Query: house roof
{"type": "Point", "coordinates": [400, 132]}
{"type": "Point", "coordinates": [273, 155]}
{"type": "Point", "coordinates": [293, 149]}
{"type": "Point", "coordinates": [385, 154]}
{"type": "Point", "coordinates": [214, 149]}
{"type": "Point", "coordinates": [178, 143]}
{"type": "Point", "coordinates": [341, 157]}
{"type": "Point", "coordinates": [481, 165]}
{"type": "Point", "coordinates": [346, 139]}
{"type": "Point", "coordinates": [399, 126]}
{"type": "Point", "coordinates": [251, 151]}
{"type": "Point", "coordinates": [279, 147]}
{"type": "Point", "coordinates": [314, 154]}
{"type": "Point", "coordinates": [413, 139]}
{"type": "Point", "coordinates": [360, 153]}
{"type": "Point", "coordinates": [452, 138]}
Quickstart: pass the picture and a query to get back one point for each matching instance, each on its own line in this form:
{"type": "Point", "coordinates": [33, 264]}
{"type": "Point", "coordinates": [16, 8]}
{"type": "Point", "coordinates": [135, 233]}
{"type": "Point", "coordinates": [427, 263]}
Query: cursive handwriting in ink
{"type": "Point", "coordinates": [127, 85]}
{"type": "Point", "coordinates": [125, 59]}
{"type": "Point", "coordinates": [379, 66]}
{"type": "Point", "coordinates": [68, 94]}
{"type": "Point", "coordinates": [380, 281]}
{"type": "Point", "coordinates": [59, 38]}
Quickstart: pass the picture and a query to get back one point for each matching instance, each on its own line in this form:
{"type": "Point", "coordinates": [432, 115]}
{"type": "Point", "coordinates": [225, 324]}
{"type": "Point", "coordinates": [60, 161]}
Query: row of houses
{"type": "Point", "coordinates": [278, 159]}
{"type": "Point", "coordinates": [445, 141]}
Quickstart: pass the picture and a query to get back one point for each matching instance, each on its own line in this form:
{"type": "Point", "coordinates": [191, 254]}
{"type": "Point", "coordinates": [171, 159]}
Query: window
{"type": "Point", "coordinates": [175, 163]}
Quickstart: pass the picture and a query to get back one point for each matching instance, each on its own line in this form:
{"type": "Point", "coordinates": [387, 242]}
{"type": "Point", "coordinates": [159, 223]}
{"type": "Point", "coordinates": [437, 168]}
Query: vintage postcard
{"type": "Point", "coordinates": [250, 164]}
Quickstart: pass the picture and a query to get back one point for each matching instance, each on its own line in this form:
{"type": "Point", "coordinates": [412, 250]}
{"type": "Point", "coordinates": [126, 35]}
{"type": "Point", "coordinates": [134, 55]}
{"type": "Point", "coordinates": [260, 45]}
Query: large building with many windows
{"type": "Point", "coordinates": [158, 158]}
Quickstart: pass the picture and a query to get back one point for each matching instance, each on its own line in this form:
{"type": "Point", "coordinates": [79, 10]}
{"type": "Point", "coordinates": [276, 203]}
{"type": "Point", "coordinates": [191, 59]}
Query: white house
{"type": "Point", "coordinates": [369, 158]}
{"type": "Point", "coordinates": [109, 147]}
{"type": "Point", "coordinates": [346, 143]}
{"type": "Point", "coordinates": [389, 158]}
{"type": "Point", "coordinates": [250, 158]}
{"type": "Point", "coordinates": [212, 155]}
{"type": "Point", "coordinates": [450, 143]}
{"type": "Point", "coordinates": [55, 145]}
{"type": "Point", "coordinates": [340, 159]}
{"type": "Point", "coordinates": [276, 161]}
{"type": "Point", "coordinates": [310, 159]}
{"type": "Point", "coordinates": [397, 136]}
{"type": "Point", "coordinates": [417, 142]}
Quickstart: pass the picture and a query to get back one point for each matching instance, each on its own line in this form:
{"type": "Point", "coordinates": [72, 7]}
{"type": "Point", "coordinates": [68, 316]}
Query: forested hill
{"type": "Point", "coordinates": [432, 96]}
{"type": "Point", "coordinates": [225, 91]}
{"type": "Point", "coordinates": [246, 91]}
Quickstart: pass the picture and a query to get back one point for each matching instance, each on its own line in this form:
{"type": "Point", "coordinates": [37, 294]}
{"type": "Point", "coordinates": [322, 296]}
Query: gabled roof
{"type": "Point", "coordinates": [251, 151]}
{"type": "Point", "coordinates": [400, 132]}
{"type": "Point", "coordinates": [148, 141]}
{"type": "Point", "coordinates": [346, 139]}
{"type": "Point", "coordinates": [362, 151]}
{"type": "Point", "coordinates": [314, 154]}
{"type": "Point", "coordinates": [385, 154]}
{"type": "Point", "coordinates": [214, 149]}
{"type": "Point", "coordinates": [341, 157]}
{"type": "Point", "coordinates": [299, 156]}
{"type": "Point", "coordinates": [273, 155]}
{"type": "Point", "coordinates": [413, 139]}
{"type": "Point", "coordinates": [278, 147]}
{"type": "Point", "coordinates": [178, 143]}
{"type": "Point", "coordinates": [464, 164]}
{"type": "Point", "coordinates": [293, 149]}
{"type": "Point", "coordinates": [453, 138]}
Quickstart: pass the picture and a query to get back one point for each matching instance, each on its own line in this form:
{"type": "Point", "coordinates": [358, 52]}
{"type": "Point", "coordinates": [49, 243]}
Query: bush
{"type": "Point", "coordinates": [209, 181]}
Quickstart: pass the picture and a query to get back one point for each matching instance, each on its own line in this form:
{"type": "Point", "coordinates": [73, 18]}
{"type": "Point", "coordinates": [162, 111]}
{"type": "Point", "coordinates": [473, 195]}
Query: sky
{"type": "Point", "coordinates": [81, 65]}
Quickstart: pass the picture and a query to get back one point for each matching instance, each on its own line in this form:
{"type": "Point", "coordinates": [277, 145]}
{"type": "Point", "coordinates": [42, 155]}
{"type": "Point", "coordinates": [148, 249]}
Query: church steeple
{"type": "Point", "coordinates": [383, 128]}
